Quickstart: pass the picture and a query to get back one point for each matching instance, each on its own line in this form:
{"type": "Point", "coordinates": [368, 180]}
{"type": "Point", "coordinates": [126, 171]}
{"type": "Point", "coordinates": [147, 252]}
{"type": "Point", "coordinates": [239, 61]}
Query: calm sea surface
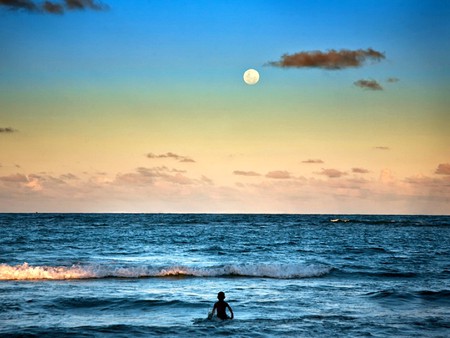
{"type": "Point", "coordinates": [144, 275]}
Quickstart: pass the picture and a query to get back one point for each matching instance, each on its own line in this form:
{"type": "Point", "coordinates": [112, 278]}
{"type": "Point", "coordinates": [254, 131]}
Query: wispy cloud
{"type": "Point", "coordinates": [443, 169]}
{"type": "Point", "coordinates": [332, 173]}
{"type": "Point", "coordinates": [382, 148]}
{"type": "Point", "coordinates": [52, 7]}
{"type": "Point", "coordinates": [368, 84]}
{"type": "Point", "coordinates": [179, 158]}
{"type": "Point", "coordinates": [312, 161]}
{"type": "Point", "coordinates": [163, 189]}
{"type": "Point", "coordinates": [332, 59]}
{"type": "Point", "coordinates": [430, 188]}
{"type": "Point", "coordinates": [149, 176]}
{"type": "Point", "coordinates": [245, 173]}
{"type": "Point", "coordinates": [360, 171]}
{"type": "Point", "coordinates": [14, 178]}
{"type": "Point", "coordinates": [7, 130]}
{"type": "Point", "coordinates": [392, 80]}
{"type": "Point", "coordinates": [69, 176]}
{"type": "Point", "coordinates": [279, 174]}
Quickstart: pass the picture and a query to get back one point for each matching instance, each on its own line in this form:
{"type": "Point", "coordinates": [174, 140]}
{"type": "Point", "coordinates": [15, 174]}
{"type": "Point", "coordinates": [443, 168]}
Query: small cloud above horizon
{"type": "Point", "coordinates": [179, 158]}
{"type": "Point", "coordinates": [368, 84]}
{"type": "Point", "coordinates": [14, 178]}
{"type": "Point", "coordinates": [313, 161]}
{"type": "Point", "coordinates": [332, 173]}
{"type": "Point", "coordinates": [360, 171]}
{"type": "Point", "coordinates": [382, 148]}
{"type": "Point", "coordinates": [279, 174]}
{"type": "Point", "coordinates": [50, 7]}
{"type": "Point", "coordinates": [331, 60]}
{"type": "Point", "coordinates": [245, 173]}
{"type": "Point", "coordinates": [443, 169]}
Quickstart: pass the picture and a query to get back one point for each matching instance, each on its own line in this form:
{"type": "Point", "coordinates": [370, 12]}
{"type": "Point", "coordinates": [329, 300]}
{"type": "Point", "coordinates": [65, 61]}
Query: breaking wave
{"type": "Point", "coordinates": [281, 271]}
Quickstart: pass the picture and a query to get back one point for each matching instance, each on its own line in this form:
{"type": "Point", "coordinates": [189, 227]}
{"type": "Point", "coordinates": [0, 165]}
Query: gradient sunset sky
{"type": "Point", "coordinates": [140, 106]}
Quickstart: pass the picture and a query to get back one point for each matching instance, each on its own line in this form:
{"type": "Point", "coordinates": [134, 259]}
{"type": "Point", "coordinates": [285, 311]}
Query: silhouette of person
{"type": "Point", "coordinates": [221, 307]}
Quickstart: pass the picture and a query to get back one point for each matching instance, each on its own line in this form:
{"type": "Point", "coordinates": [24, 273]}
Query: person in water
{"type": "Point", "coordinates": [221, 307]}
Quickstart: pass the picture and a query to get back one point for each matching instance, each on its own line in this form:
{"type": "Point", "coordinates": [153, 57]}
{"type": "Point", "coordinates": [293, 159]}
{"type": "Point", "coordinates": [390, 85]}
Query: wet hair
{"type": "Point", "coordinates": [221, 295]}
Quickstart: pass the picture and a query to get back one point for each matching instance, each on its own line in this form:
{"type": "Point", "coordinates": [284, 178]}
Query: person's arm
{"type": "Point", "coordinates": [211, 314]}
{"type": "Point", "coordinates": [231, 311]}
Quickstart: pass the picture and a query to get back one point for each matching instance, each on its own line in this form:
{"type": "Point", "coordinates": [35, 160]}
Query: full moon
{"type": "Point", "coordinates": [251, 76]}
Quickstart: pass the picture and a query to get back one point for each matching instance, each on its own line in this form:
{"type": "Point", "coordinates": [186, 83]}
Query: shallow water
{"type": "Point", "coordinates": [284, 275]}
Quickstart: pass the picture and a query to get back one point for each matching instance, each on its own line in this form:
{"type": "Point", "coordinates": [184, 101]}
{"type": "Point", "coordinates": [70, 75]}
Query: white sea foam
{"type": "Point", "coordinates": [28, 272]}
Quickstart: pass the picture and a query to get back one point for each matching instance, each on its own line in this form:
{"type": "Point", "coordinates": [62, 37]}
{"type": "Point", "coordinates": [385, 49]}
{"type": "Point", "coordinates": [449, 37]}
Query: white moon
{"type": "Point", "coordinates": [251, 76]}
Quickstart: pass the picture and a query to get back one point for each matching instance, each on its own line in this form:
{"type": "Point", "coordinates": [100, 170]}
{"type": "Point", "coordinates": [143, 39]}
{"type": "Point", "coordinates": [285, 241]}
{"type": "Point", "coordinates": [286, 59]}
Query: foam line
{"type": "Point", "coordinates": [284, 271]}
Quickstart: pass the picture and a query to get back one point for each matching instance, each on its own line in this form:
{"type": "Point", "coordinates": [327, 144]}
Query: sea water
{"type": "Point", "coordinates": [145, 275]}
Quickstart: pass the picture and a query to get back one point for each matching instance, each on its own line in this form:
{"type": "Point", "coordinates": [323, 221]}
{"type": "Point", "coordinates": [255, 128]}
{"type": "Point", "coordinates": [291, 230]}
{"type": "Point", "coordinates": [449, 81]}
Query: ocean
{"type": "Point", "coordinates": [152, 275]}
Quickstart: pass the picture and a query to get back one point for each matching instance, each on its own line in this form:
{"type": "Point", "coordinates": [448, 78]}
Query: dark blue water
{"type": "Point", "coordinates": [147, 275]}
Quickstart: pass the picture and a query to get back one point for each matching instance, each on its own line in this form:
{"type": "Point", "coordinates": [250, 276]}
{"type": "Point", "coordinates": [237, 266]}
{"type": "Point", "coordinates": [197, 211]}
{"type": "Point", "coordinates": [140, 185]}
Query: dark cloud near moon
{"type": "Point", "coordinates": [51, 7]}
{"type": "Point", "coordinates": [332, 59]}
{"type": "Point", "coordinates": [368, 84]}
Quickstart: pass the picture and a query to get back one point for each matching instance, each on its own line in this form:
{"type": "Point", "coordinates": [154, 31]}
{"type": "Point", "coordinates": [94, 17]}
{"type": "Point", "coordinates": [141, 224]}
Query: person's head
{"type": "Point", "coordinates": [221, 295]}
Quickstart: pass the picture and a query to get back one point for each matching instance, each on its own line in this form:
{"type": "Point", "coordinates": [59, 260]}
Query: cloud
{"type": "Point", "coordinates": [443, 182]}
{"type": "Point", "coordinates": [368, 84]}
{"type": "Point", "coordinates": [187, 160]}
{"type": "Point", "coordinates": [392, 80]}
{"type": "Point", "coordinates": [312, 161]}
{"type": "Point", "coordinates": [431, 188]}
{"type": "Point", "coordinates": [207, 180]}
{"type": "Point", "coordinates": [149, 176]}
{"type": "Point", "coordinates": [245, 173]}
{"type": "Point", "coordinates": [332, 59]}
{"type": "Point", "coordinates": [332, 173]}
{"type": "Point", "coordinates": [387, 177]}
{"type": "Point", "coordinates": [382, 148]}
{"type": "Point", "coordinates": [360, 170]}
{"type": "Point", "coordinates": [179, 158]}
{"type": "Point", "coordinates": [164, 189]}
{"type": "Point", "coordinates": [8, 129]}
{"type": "Point", "coordinates": [279, 174]}
{"type": "Point", "coordinates": [19, 4]}
{"type": "Point", "coordinates": [84, 4]}
{"type": "Point", "coordinates": [443, 169]}
{"type": "Point", "coordinates": [14, 178]}
{"type": "Point", "coordinates": [68, 176]}
{"type": "Point", "coordinates": [51, 7]}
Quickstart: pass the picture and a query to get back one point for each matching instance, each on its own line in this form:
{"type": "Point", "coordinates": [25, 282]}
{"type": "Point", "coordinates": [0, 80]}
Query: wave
{"type": "Point", "coordinates": [374, 274]}
{"type": "Point", "coordinates": [423, 295]}
{"type": "Point", "coordinates": [406, 220]}
{"type": "Point", "coordinates": [281, 271]}
{"type": "Point", "coordinates": [117, 303]}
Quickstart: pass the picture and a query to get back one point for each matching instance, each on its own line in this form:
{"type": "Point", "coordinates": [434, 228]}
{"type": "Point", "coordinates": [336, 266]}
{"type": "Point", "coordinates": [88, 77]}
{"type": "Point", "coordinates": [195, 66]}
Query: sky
{"type": "Point", "coordinates": [140, 106]}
